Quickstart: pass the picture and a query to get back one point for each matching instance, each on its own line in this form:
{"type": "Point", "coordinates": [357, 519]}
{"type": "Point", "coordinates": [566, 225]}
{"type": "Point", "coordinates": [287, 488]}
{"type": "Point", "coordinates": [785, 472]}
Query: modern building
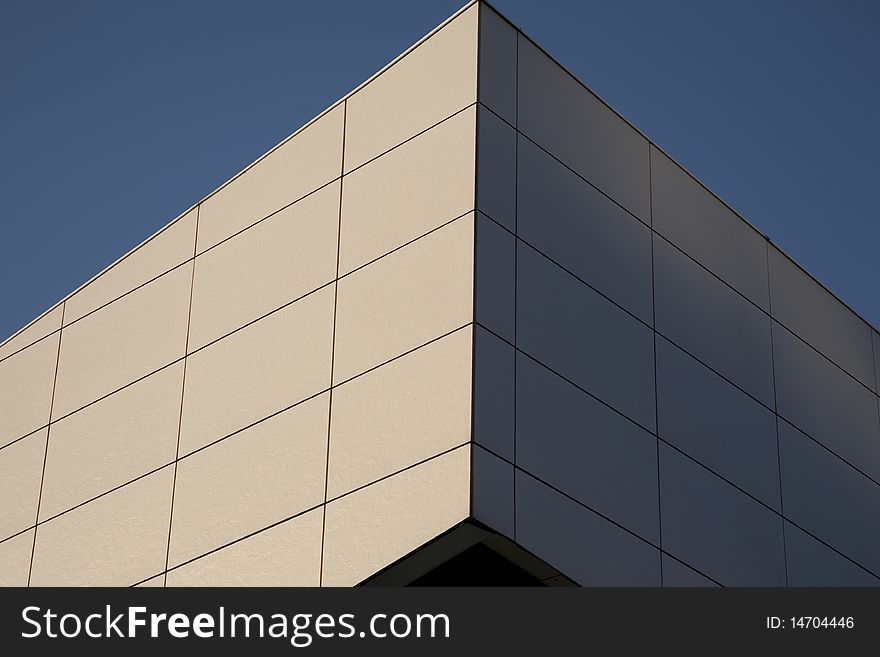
{"type": "Point", "coordinates": [468, 324]}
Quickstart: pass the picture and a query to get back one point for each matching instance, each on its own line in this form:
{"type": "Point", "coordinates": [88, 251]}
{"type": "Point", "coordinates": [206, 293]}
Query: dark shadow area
{"type": "Point", "coordinates": [469, 554]}
{"type": "Point", "coordinates": [477, 566]}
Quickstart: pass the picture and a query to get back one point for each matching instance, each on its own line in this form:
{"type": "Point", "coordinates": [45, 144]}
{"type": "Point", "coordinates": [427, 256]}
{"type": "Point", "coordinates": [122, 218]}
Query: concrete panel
{"type": "Point", "coordinates": [407, 192]}
{"type": "Point", "coordinates": [561, 115]}
{"type": "Point", "coordinates": [829, 499]}
{"type": "Point", "coordinates": [280, 259]}
{"type": "Point", "coordinates": [814, 314]}
{"type": "Point", "coordinates": [721, 427]}
{"type": "Point", "coordinates": [721, 531]}
{"type": "Point", "coordinates": [820, 399]}
{"type": "Point", "coordinates": [712, 322]}
{"type": "Point", "coordinates": [580, 446]}
{"type": "Point", "coordinates": [495, 274]}
{"type": "Point", "coordinates": [21, 471]}
{"type": "Point", "coordinates": [810, 563]}
{"type": "Point", "coordinates": [117, 540]}
{"type": "Point", "coordinates": [570, 221]}
{"type": "Point", "coordinates": [401, 413]}
{"type": "Point", "coordinates": [677, 574]}
{"type": "Point", "coordinates": [172, 246]}
{"type": "Point", "coordinates": [27, 379]}
{"type": "Point", "coordinates": [128, 339]}
{"type": "Point", "coordinates": [260, 370]}
{"type": "Point", "coordinates": [288, 554]}
{"type": "Point", "coordinates": [251, 480]}
{"type": "Point", "coordinates": [496, 169]}
{"type": "Point", "coordinates": [581, 544]}
{"type": "Point", "coordinates": [573, 330]}
{"type": "Point", "coordinates": [494, 393]}
{"type": "Point", "coordinates": [694, 220]}
{"type": "Point", "coordinates": [302, 164]}
{"type": "Point", "coordinates": [377, 525]}
{"type": "Point", "coordinates": [402, 301]}
{"type": "Point", "coordinates": [113, 441]}
{"type": "Point", "coordinates": [497, 64]}
{"type": "Point", "coordinates": [48, 323]}
{"type": "Point", "coordinates": [15, 559]}
{"type": "Point", "coordinates": [493, 491]}
{"type": "Point", "coordinates": [433, 81]}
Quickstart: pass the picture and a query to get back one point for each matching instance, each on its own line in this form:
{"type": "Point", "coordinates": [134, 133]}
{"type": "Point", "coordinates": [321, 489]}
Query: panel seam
{"type": "Point", "coordinates": [182, 397]}
{"type": "Point", "coordinates": [654, 344]}
{"type": "Point", "coordinates": [46, 448]}
{"type": "Point", "coordinates": [333, 349]}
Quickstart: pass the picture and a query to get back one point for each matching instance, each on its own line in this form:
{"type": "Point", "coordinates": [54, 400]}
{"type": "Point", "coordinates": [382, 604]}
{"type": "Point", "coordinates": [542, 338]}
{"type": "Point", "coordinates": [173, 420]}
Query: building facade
{"type": "Point", "coordinates": [467, 305]}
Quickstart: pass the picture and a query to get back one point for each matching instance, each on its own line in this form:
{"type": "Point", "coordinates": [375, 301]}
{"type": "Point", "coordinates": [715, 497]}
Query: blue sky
{"type": "Point", "coordinates": [117, 116]}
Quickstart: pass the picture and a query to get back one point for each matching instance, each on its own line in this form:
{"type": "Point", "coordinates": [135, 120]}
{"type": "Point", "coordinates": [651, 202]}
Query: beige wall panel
{"type": "Point", "coordinates": [407, 192]}
{"type": "Point", "coordinates": [401, 413]}
{"type": "Point", "coordinates": [301, 165]}
{"type": "Point", "coordinates": [15, 559]}
{"type": "Point", "coordinates": [113, 441]}
{"type": "Point", "coordinates": [406, 299]}
{"type": "Point", "coordinates": [265, 367]}
{"type": "Point", "coordinates": [169, 248]}
{"type": "Point", "coordinates": [282, 258]}
{"type": "Point", "coordinates": [373, 527]}
{"type": "Point", "coordinates": [26, 381]}
{"type": "Point", "coordinates": [154, 582]}
{"type": "Point", "coordinates": [48, 323]}
{"type": "Point", "coordinates": [432, 82]}
{"type": "Point", "coordinates": [21, 469]}
{"type": "Point", "coordinates": [288, 554]}
{"type": "Point", "coordinates": [124, 341]}
{"type": "Point", "coordinates": [116, 540]}
{"type": "Point", "coordinates": [260, 476]}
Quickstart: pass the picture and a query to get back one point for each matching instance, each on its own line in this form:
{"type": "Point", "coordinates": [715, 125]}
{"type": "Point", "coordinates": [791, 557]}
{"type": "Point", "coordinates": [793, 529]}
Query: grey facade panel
{"type": "Point", "coordinates": [876, 337]}
{"type": "Point", "coordinates": [716, 424]}
{"type": "Point", "coordinates": [570, 221]}
{"type": "Point", "coordinates": [677, 574]}
{"type": "Point", "coordinates": [576, 332]}
{"type": "Point", "coordinates": [497, 65]}
{"type": "Point", "coordinates": [703, 227]}
{"type": "Point", "coordinates": [494, 393]}
{"type": "Point", "coordinates": [586, 450]}
{"type": "Point", "coordinates": [715, 527]}
{"type": "Point", "coordinates": [580, 543]}
{"type": "Point", "coordinates": [810, 563]}
{"type": "Point", "coordinates": [709, 320]}
{"type": "Point", "coordinates": [829, 498]}
{"type": "Point", "coordinates": [494, 275]}
{"type": "Point", "coordinates": [492, 493]}
{"type": "Point", "coordinates": [814, 314]}
{"type": "Point", "coordinates": [557, 112]}
{"type": "Point", "coordinates": [496, 169]}
{"type": "Point", "coordinates": [819, 398]}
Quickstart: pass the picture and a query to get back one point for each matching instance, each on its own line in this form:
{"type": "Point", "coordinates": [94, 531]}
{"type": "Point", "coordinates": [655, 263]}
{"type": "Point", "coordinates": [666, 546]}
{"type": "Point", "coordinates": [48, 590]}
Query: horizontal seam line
{"type": "Point", "coordinates": [702, 266]}
{"type": "Point", "coordinates": [656, 433]}
{"type": "Point", "coordinates": [651, 543]}
{"type": "Point", "coordinates": [244, 326]}
{"type": "Point", "coordinates": [313, 508]}
{"type": "Point", "coordinates": [242, 429]}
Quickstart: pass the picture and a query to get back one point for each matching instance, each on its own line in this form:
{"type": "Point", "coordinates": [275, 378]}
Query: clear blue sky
{"type": "Point", "coordinates": [116, 116]}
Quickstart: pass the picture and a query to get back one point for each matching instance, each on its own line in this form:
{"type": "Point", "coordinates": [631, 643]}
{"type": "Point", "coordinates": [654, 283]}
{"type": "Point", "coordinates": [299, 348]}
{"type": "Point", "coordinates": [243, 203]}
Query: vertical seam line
{"type": "Point", "coordinates": [182, 394]}
{"type": "Point", "coordinates": [333, 345]}
{"type": "Point", "coordinates": [654, 336]}
{"type": "Point", "coordinates": [475, 272]}
{"type": "Point", "coordinates": [46, 448]}
{"type": "Point", "coordinates": [776, 411]}
{"type": "Point", "coordinates": [515, 252]}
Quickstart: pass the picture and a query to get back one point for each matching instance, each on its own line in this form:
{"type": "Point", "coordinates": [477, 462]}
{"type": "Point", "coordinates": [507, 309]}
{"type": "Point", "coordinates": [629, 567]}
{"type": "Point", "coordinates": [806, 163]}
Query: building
{"type": "Point", "coordinates": [468, 324]}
